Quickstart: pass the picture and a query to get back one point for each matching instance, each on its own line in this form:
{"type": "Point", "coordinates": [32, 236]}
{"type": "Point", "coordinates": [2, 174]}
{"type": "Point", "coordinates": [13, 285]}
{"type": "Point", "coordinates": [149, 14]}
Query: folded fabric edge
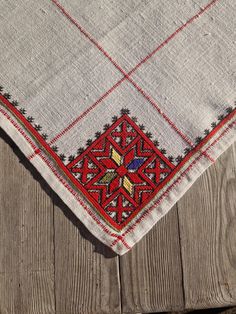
{"type": "Point", "coordinates": [161, 204]}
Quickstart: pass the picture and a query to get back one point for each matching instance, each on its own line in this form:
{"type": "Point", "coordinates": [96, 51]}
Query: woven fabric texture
{"type": "Point", "coordinates": [120, 105]}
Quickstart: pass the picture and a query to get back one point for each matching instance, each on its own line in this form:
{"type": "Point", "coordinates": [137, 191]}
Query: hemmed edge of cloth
{"type": "Point", "coordinates": [121, 242]}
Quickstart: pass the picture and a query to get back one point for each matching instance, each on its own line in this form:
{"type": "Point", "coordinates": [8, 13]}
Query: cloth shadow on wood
{"type": "Point", "coordinates": [225, 310]}
{"type": "Point", "coordinates": [99, 247]}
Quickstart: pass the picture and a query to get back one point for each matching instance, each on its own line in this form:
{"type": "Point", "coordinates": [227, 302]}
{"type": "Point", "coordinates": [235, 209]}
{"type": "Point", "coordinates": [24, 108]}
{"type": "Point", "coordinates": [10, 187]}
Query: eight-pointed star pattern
{"type": "Point", "coordinates": [121, 171]}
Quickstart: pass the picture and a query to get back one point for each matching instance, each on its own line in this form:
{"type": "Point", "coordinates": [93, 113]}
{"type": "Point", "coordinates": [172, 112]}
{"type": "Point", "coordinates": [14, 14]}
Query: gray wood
{"type": "Point", "coordinates": [151, 274]}
{"type": "Point", "coordinates": [26, 239]}
{"type": "Point", "coordinates": [49, 262]}
{"type": "Point", "coordinates": [87, 273]}
{"type": "Point", "coordinates": [207, 215]}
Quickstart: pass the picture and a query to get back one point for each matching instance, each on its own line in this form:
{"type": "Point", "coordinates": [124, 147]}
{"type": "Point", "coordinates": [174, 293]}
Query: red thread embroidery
{"type": "Point", "coordinates": [121, 171]}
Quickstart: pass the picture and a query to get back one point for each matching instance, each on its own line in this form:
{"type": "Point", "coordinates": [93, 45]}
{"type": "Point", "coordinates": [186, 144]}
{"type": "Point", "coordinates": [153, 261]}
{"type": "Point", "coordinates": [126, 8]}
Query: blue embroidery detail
{"type": "Point", "coordinates": [136, 163]}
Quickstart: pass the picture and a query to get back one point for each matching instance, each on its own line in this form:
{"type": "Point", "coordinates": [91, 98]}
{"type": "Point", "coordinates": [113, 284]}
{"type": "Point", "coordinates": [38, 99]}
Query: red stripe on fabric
{"type": "Point", "coordinates": [87, 35]}
{"type": "Point", "coordinates": [71, 125]}
{"type": "Point", "coordinates": [86, 112]}
{"type": "Point", "coordinates": [18, 128]}
{"type": "Point", "coordinates": [126, 75]}
{"type": "Point", "coordinates": [154, 104]}
{"type": "Point", "coordinates": [208, 6]}
{"type": "Point", "coordinates": [166, 193]}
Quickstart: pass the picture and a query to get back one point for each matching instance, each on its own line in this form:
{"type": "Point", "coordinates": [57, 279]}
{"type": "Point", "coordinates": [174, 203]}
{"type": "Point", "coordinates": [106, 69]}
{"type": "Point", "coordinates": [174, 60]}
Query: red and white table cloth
{"type": "Point", "coordinates": [120, 105]}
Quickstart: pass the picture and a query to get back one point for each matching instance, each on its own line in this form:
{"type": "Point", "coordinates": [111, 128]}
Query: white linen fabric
{"type": "Point", "coordinates": [120, 105]}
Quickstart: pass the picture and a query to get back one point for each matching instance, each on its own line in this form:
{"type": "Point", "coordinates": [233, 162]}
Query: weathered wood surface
{"type": "Point", "coordinates": [49, 263]}
{"type": "Point", "coordinates": [26, 239]}
{"type": "Point", "coordinates": [151, 274]}
{"type": "Point", "coordinates": [207, 215]}
{"type": "Point", "coordinates": [86, 281]}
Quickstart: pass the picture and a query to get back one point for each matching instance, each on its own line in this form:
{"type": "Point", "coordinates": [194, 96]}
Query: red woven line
{"type": "Point", "coordinates": [59, 135]}
{"type": "Point", "coordinates": [196, 16]}
{"type": "Point", "coordinates": [177, 181]}
{"type": "Point", "coordinates": [120, 238]}
{"type": "Point", "coordinates": [154, 104]}
{"type": "Point", "coordinates": [19, 129]}
{"type": "Point", "coordinates": [60, 178]}
{"type": "Point", "coordinates": [87, 35]}
{"type": "Point", "coordinates": [87, 111]}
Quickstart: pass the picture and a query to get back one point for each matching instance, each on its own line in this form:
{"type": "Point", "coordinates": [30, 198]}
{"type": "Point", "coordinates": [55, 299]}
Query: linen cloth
{"type": "Point", "coordinates": [120, 105]}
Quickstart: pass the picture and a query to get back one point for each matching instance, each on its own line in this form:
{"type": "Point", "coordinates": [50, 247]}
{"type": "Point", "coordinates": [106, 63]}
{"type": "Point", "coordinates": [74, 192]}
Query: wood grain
{"type": "Point", "coordinates": [207, 216]}
{"type": "Point", "coordinates": [87, 274]}
{"type": "Point", "coordinates": [26, 239]}
{"type": "Point", "coordinates": [50, 263]}
{"type": "Point", "coordinates": [151, 274]}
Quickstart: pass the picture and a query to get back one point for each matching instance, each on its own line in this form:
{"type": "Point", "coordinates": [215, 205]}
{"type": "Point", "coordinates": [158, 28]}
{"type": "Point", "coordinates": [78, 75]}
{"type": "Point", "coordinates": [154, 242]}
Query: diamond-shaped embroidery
{"type": "Point", "coordinates": [121, 171]}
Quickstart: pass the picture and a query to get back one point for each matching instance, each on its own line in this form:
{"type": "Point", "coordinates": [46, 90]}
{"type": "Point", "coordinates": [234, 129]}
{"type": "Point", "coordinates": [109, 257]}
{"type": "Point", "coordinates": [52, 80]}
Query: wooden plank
{"type": "Point", "coordinates": [26, 237]}
{"type": "Point", "coordinates": [207, 216]}
{"type": "Point", "coordinates": [151, 275]}
{"type": "Point", "coordinates": [87, 272]}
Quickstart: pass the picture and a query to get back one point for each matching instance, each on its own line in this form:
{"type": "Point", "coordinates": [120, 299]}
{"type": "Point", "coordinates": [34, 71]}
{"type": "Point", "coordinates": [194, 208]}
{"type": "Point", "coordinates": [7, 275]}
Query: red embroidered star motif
{"type": "Point", "coordinates": [121, 171]}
